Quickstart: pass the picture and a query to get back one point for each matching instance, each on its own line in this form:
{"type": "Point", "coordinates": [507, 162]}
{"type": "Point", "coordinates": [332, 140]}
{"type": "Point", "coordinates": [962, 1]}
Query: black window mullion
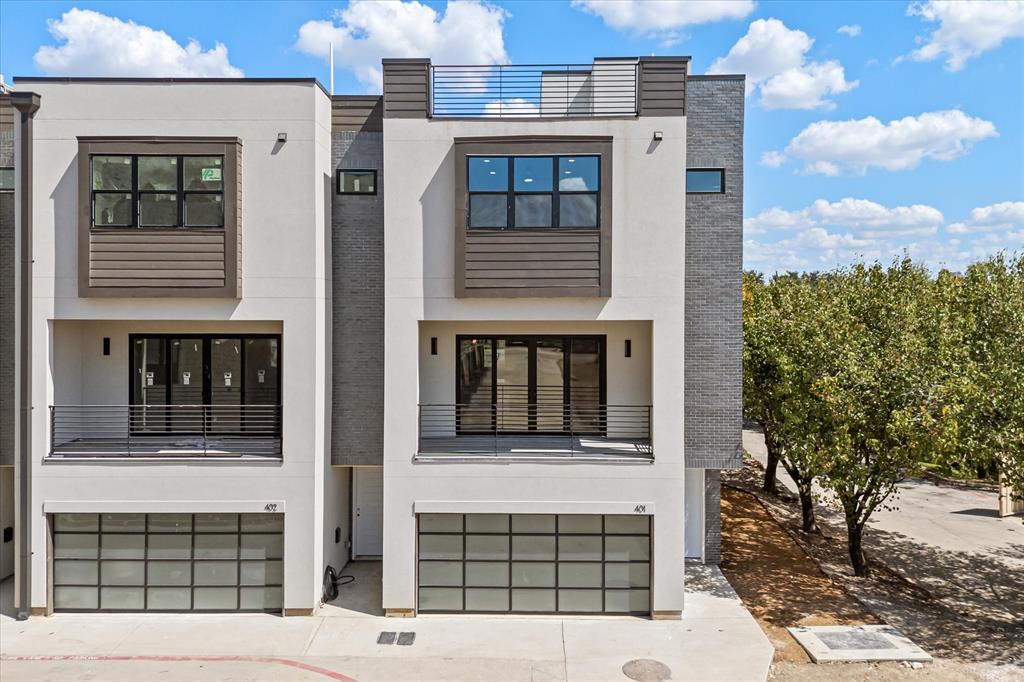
{"type": "Point", "coordinates": [555, 222]}
{"type": "Point", "coordinates": [510, 198]}
{"type": "Point", "coordinates": [181, 192]}
{"type": "Point", "coordinates": [136, 218]}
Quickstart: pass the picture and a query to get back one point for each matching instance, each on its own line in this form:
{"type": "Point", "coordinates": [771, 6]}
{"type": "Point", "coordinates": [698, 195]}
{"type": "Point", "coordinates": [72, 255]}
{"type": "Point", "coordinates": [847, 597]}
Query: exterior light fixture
{"type": "Point", "coordinates": [658, 135]}
{"type": "Point", "coordinates": [282, 137]}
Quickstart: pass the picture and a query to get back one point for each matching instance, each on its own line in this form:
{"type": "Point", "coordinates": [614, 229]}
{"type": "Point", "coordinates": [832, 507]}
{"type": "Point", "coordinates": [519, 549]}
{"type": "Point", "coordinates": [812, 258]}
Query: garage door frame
{"type": "Point", "coordinates": [146, 560]}
{"type": "Point", "coordinates": [557, 561]}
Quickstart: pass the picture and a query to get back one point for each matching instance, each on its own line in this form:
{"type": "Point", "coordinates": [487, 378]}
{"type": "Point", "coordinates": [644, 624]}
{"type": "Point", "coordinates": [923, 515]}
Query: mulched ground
{"type": "Point", "coordinates": [777, 571]}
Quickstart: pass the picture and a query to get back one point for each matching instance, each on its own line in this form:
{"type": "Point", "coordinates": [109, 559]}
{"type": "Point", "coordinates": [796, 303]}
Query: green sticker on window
{"type": "Point", "coordinates": [211, 175]}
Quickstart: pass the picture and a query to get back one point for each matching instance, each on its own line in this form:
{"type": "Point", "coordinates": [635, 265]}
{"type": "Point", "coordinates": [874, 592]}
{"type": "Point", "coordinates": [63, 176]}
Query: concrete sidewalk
{"type": "Point", "coordinates": [716, 640]}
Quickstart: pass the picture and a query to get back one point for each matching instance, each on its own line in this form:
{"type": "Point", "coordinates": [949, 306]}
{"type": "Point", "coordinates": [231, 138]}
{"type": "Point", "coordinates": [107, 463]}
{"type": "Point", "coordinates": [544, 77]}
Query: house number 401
{"type": "Point", "coordinates": [270, 507]}
{"type": "Point", "coordinates": [640, 509]}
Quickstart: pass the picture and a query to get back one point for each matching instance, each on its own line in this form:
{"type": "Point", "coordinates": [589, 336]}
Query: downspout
{"type": "Point", "coordinates": [27, 103]}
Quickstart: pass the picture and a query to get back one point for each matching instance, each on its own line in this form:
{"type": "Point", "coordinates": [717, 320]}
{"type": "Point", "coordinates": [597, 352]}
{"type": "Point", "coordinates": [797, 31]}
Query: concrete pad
{"type": "Point", "coordinates": [360, 598]}
{"type": "Point", "coordinates": [194, 634]}
{"type": "Point", "coordinates": [849, 643]}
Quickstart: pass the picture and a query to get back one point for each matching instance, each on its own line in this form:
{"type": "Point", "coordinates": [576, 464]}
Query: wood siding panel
{"type": "Point", "coordinates": [534, 261]}
{"type": "Point", "coordinates": [358, 113]}
{"type": "Point", "coordinates": [406, 88]}
{"type": "Point", "coordinates": [662, 86]}
{"type": "Point", "coordinates": [142, 258]}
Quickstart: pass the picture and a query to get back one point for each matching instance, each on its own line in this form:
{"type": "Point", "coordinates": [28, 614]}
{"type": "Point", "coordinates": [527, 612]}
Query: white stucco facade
{"type": "Point", "coordinates": [646, 305]}
{"type": "Point", "coordinates": [286, 290]}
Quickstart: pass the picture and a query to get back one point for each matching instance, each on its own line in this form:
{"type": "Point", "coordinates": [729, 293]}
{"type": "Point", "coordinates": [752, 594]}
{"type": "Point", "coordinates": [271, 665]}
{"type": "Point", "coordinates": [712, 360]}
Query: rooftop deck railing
{"type": "Point", "coordinates": [603, 88]}
{"type": "Point", "coordinates": [165, 431]}
{"type": "Point", "coordinates": [545, 430]}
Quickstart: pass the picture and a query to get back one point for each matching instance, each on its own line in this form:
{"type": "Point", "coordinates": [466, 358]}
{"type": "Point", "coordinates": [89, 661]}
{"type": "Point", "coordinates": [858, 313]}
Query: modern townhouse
{"type": "Point", "coordinates": [484, 329]}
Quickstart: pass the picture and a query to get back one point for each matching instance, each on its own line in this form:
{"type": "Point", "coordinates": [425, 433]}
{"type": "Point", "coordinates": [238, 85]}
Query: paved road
{"type": "Point", "coordinates": [947, 539]}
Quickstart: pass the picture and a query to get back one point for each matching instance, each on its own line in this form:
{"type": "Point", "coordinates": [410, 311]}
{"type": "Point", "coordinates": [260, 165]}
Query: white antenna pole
{"type": "Point", "coordinates": [332, 68]}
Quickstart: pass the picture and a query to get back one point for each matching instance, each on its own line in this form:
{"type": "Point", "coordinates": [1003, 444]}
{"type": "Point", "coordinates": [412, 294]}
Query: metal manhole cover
{"type": "Point", "coordinates": [834, 643]}
{"type": "Point", "coordinates": [646, 670]}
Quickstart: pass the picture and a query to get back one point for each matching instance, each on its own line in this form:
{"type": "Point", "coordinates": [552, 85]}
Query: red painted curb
{"type": "Point", "coordinates": [216, 659]}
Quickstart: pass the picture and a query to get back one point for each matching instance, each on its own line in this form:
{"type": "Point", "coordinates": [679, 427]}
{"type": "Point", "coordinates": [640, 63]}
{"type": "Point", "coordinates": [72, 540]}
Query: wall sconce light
{"type": "Point", "coordinates": [282, 137]}
{"type": "Point", "coordinates": [658, 135]}
{"type": "Point", "coordinates": [433, 345]}
{"type": "Point", "coordinates": [106, 345]}
{"type": "Point", "coordinates": [629, 348]}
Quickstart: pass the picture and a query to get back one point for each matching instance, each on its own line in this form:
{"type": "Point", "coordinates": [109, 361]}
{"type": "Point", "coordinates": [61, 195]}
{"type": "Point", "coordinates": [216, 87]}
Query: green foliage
{"type": "Point", "coordinates": [862, 376]}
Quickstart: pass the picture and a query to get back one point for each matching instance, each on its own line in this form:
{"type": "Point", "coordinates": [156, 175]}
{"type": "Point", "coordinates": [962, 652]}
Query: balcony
{"type": "Point", "coordinates": [604, 88]}
{"type": "Point", "coordinates": [535, 432]}
{"type": "Point", "coordinates": [165, 431]}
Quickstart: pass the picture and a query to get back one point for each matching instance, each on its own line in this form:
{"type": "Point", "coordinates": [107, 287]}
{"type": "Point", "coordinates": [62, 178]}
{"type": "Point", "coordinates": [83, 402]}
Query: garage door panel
{"type": "Point", "coordinates": [534, 563]}
{"type": "Point", "coordinates": [168, 562]}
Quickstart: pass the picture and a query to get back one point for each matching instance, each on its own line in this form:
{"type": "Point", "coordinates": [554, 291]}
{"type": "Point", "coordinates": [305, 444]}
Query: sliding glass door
{"type": "Point", "coordinates": [173, 377]}
{"type": "Point", "coordinates": [530, 384]}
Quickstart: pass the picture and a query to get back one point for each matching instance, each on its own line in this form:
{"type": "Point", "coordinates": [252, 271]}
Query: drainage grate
{"type": "Point", "coordinates": [403, 638]}
{"type": "Point", "coordinates": [842, 643]}
{"type": "Point", "coordinates": [646, 670]}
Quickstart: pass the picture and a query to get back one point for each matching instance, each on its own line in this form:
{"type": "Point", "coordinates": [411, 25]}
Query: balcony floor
{"type": "Point", "coordinates": [527, 447]}
{"type": "Point", "coordinates": [178, 445]}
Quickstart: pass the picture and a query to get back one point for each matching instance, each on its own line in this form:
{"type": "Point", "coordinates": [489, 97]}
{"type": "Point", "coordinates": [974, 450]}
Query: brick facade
{"type": "Point", "coordinates": [357, 265]}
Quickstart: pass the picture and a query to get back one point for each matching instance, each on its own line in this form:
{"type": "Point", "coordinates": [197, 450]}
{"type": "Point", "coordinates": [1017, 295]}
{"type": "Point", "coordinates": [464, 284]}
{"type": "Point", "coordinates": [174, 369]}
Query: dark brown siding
{"type": "Point", "coordinates": [533, 262]}
{"type": "Point", "coordinates": [161, 262]}
{"type": "Point", "coordinates": [507, 263]}
{"type": "Point", "coordinates": [149, 258]}
{"type": "Point", "coordinates": [358, 113]}
{"type": "Point", "coordinates": [662, 86]}
{"type": "Point", "coordinates": [406, 88]}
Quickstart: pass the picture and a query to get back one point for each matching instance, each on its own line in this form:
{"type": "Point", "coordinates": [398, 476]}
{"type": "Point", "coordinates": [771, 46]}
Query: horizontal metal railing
{"type": "Point", "coordinates": [165, 430]}
{"type": "Point", "coordinates": [606, 88]}
{"type": "Point", "coordinates": [543, 429]}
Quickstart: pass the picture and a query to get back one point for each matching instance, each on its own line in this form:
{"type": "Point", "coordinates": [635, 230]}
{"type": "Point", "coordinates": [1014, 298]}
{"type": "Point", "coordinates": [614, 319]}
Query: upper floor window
{"type": "Point", "coordinates": [705, 180]}
{"type": "Point", "coordinates": [534, 191]}
{"type": "Point", "coordinates": [6, 179]}
{"type": "Point", "coordinates": [357, 181]}
{"type": "Point", "coordinates": [157, 191]}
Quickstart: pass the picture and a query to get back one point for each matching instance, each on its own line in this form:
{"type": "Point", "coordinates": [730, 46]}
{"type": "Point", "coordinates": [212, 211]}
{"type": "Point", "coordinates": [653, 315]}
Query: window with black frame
{"type": "Point", "coordinates": [534, 192]}
{"type": "Point", "coordinates": [154, 191]}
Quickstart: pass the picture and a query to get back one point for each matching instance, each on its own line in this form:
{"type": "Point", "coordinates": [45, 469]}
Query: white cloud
{"type": "Point", "coordinates": [852, 30]}
{"type": "Point", "coordinates": [662, 19]}
{"type": "Point", "coordinates": [363, 33]}
{"type": "Point", "coordinates": [1006, 215]}
{"type": "Point", "coordinates": [773, 159]}
{"type": "Point", "coordinates": [511, 108]}
{"type": "Point", "coordinates": [864, 218]}
{"type": "Point", "coordinates": [94, 44]}
{"type": "Point", "coordinates": [774, 58]}
{"type": "Point", "coordinates": [829, 234]}
{"type": "Point", "coordinates": [966, 29]}
{"type": "Point", "coordinates": [827, 146]}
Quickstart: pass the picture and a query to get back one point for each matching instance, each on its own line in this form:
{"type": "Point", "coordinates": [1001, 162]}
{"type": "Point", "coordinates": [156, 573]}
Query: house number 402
{"type": "Point", "coordinates": [640, 509]}
{"type": "Point", "coordinates": [270, 507]}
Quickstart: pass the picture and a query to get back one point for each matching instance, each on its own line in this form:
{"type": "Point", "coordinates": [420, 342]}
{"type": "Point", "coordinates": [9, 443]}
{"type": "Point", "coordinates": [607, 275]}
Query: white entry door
{"type": "Point", "coordinates": [368, 512]}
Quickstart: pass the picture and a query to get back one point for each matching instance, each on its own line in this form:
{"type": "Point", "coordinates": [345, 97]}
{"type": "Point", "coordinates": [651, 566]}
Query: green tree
{"type": "Point", "coordinates": [877, 382]}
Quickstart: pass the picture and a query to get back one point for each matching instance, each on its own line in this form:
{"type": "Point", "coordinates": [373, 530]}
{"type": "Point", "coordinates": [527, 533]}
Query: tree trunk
{"type": "Point", "coordinates": [771, 466]}
{"type": "Point", "coordinates": [854, 538]}
{"type": "Point", "coordinates": [810, 523]}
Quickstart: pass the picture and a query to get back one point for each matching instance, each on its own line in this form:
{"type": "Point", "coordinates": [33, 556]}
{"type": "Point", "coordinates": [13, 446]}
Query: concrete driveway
{"type": "Point", "coordinates": [716, 640]}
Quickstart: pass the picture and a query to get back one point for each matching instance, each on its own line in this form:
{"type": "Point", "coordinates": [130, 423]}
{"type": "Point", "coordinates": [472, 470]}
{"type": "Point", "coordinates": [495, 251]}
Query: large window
{"type": "Point", "coordinates": [157, 191]}
{"type": "Point", "coordinates": [206, 370]}
{"type": "Point", "coordinates": [517, 192]}
{"type": "Point", "coordinates": [6, 179]}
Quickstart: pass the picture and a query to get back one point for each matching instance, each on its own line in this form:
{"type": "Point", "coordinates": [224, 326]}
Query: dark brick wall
{"type": "Point", "coordinates": [357, 422]}
{"type": "Point", "coordinates": [7, 330]}
{"type": "Point", "coordinates": [714, 266]}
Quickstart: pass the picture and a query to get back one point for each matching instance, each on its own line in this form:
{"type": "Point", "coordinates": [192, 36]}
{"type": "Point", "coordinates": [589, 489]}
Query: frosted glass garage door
{"type": "Point", "coordinates": [534, 563]}
{"type": "Point", "coordinates": [168, 562]}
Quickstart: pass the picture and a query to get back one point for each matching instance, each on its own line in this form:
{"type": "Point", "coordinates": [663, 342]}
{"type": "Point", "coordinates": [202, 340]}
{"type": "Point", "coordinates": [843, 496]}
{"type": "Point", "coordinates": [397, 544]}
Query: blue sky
{"type": "Point", "coordinates": [902, 131]}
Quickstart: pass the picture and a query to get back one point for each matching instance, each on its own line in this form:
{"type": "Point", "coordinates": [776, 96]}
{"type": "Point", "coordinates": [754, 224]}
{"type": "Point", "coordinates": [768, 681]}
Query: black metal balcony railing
{"type": "Point", "coordinates": [535, 431]}
{"type": "Point", "coordinates": [604, 88]}
{"type": "Point", "coordinates": [165, 431]}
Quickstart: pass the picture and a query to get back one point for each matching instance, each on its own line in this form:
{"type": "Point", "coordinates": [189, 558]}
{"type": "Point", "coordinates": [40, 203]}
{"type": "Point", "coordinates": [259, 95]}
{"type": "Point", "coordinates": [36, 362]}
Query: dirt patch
{"type": "Point", "coordinates": [786, 577]}
{"type": "Point", "coordinates": [777, 581]}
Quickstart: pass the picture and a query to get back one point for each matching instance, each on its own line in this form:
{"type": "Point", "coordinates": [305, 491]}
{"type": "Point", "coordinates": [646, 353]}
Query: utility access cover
{"type": "Point", "coordinates": [846, 643]}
